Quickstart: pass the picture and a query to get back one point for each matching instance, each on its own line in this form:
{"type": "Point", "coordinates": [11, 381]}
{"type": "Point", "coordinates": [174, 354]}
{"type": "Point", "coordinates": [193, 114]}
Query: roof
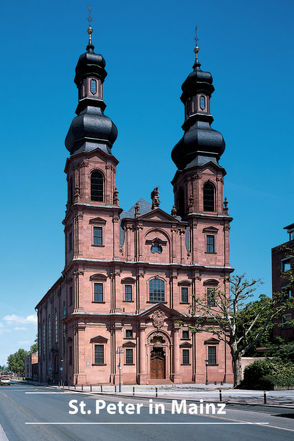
{"type": "Point", "coordinates": [289, 227]}
{"type": "Point", "coordinates": [145, 207]}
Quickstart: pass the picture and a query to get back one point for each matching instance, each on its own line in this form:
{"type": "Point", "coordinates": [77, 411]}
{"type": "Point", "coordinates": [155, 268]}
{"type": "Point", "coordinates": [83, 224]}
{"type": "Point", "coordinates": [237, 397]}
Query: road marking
{"type": "Point", "coordinates": [142, 423]}
{"type": "Point", "coordinates": [3, 436]}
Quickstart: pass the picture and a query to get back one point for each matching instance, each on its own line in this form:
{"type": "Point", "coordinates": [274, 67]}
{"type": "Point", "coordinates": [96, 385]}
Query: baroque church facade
{"type": "Point", "coordinates": [126, 298]}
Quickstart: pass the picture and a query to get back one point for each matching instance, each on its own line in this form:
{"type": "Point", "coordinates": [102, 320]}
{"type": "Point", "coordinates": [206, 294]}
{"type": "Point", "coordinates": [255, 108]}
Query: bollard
{"type": "Point", "coordinates": [133, 391]}
{"type": "Point", "coordinates": [75, 386]}
{"type": "Point", "coordinates": [101, 390]}
{"type": "Point", "coordinates": [91, 388]}
{"type": "Point", "coordinates": [220, 396]}
{"type": "Point", "coordinates": [264, 397]}
{"type": "Point", "coordinates": [82, 387]}
{"type": "Point", "coordinates": [215, 382]}
{"type": "Point", "coordinates": [115, 388]}
{"type": "Point", "coordinates": [156, 392]}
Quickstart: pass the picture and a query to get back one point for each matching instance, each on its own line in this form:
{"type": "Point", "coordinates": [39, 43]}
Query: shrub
{"type": "Point", "coordinates": [265, 374]}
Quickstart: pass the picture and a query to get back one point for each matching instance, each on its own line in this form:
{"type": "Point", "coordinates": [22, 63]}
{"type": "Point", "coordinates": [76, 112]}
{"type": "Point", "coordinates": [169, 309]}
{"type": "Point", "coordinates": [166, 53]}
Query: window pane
{"type": "Point", "coordinates": [156, 290]}
{"type": "Point", "coordinates": [129, 333]}
{"type": "Point", "coordinates": [184, 296]}
{"type": "Point", "coordinates": [128, 293]}
{"type": "Point", "coordinates": [97, 235]}
{"type": "Point", "coordinates": [208, 197]}
{"type": "Point", "coordinates": [99, 354]}
{"type": "Point", "coordinates": [98, 292]}
{"type": "Point", "coordinates": [211, 355]}
{"type": "Point", "coordinates": [186, 357]}
{"type": "Point", "coordinates": [93, 87]}
{"type": "Point", "coordinates": [186, 335]}
{"type": "Point", "coordinates": [210, 244]}
{"type": "Point", "coordinates": [156, 248]}
{"type": "Point", "coordinates": [129, 356]}
{"type": "Point", "coordinates": [202, 102]}
{"type": "Point", "coordinates": [97, 186]}
{"type": "Point", "coordinates": [211, 296]}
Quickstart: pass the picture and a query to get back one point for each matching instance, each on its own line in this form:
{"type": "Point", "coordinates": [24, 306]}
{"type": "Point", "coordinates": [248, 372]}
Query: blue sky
{"type": "Point", "coordinates": [148, 47]}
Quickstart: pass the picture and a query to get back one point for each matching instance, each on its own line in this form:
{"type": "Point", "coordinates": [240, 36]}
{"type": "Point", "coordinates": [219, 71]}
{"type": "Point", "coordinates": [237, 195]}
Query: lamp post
{"type": "Point", "coordinates": [119, 351]}
{"type": "Point", "coordinates": [206, 364]}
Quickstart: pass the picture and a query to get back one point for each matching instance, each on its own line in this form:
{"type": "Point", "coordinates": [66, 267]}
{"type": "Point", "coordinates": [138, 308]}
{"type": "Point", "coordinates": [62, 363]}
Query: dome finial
{"type": "Point", "coordinates": [196, 50]}
{"type": "Point", "coordinates": [90, 46]}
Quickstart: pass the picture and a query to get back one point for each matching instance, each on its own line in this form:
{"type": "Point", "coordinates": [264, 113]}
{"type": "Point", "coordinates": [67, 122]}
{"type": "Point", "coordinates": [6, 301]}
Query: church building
{"type": "Point", "coordinates": [126, 299]}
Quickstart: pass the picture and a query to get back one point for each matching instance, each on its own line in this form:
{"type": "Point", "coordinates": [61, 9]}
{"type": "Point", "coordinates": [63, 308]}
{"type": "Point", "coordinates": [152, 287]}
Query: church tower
{"type": "Point", "coordinates": [199, 180]}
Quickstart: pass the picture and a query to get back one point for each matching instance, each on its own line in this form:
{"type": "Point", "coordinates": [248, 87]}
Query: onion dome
{"type": "Point", "coordinates": [90, 129]}
{"type": "Point", "coordinates": [200, 143]}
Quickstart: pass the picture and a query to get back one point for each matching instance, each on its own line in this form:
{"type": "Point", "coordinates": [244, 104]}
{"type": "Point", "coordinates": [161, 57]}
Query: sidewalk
{"type": "Point", "coordinates": [195, 392]}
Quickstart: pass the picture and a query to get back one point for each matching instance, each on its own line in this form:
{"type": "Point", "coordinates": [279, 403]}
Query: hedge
{"type": "Point", "coordinates": [266, 374]}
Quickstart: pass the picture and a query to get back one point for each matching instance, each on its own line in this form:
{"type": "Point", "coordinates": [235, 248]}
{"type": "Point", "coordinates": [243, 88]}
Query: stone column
{"type": "Point", "coordinates": [176, 355]}
{"type": "Point", "coordinates": [143, 355]}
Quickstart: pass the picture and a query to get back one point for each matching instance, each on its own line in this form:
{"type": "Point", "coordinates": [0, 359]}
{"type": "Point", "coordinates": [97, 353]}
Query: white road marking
{"type": "Point", "coordinates": [143, 423]}
{"type": "Point", "coordinates": [3, 436]}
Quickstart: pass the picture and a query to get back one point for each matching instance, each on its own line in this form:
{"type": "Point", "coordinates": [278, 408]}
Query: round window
{"type": "Point", "coordinates": [156, 248]}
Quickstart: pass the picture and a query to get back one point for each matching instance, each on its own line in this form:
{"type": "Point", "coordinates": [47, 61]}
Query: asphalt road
{"type": "Point", "coordinates": [21, 404]}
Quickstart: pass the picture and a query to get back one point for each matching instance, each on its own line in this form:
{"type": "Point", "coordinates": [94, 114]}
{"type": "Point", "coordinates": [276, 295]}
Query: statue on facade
{"type": "Point", "coordinates": [155, 198]}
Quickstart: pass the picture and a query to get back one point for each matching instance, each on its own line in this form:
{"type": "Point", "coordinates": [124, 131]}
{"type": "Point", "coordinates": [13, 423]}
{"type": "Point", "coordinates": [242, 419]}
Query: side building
{"type": "Point", "coordinates": [131, 276]}
{"type": "Point", "coordinates": [282, 267]}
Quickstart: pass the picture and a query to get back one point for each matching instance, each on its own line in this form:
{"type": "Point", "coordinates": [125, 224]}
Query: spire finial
{"type": "Point", "coordinates": [196, 49]}
{"type": "Point", "coordinates": [90, 30]}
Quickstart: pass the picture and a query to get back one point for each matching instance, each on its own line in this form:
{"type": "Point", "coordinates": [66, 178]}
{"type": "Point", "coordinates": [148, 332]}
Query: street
{"type": "Point", "coordinates": [42, 413]}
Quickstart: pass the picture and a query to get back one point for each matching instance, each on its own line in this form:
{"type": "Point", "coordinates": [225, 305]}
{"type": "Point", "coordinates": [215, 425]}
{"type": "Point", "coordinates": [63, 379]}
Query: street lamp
{"type": "Point", "coordinates": [206, 364]}
{"type": "Point", "coordinates": [119, 351]}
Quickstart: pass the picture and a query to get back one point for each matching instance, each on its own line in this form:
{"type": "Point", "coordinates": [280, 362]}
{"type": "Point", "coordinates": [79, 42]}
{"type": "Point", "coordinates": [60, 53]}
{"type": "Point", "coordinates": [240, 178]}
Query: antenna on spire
{"type": "Point", "coordinates": [196, 49]}
{"type": "Point", "coordinates": [90, 29]}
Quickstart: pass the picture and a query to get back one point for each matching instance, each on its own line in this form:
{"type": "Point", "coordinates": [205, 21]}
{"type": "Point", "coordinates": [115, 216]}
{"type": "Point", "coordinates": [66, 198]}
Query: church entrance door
{"type": "Point", "coordinates": [157, 363]}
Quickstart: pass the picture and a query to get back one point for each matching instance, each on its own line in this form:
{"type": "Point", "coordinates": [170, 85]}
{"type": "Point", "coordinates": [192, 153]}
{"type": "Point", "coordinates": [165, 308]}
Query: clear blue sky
{"type": "Point", "coordinates": [148, 47]}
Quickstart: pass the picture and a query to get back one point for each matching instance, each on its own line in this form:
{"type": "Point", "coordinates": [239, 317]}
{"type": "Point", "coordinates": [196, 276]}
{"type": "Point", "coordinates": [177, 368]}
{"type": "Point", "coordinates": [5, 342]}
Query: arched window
{"type": "Point", "coordinates": [97, 186]}
{"type": "Point", "coordinates": [156, 290]}
{"type": "Point", "coordinates": [208, 197]}
{"type": "Point", "coordinates": [202, 102]}
{"type": "Point", "coordinates": [93, 87]}
{"type": "Point", "coordinates": [181, 202]}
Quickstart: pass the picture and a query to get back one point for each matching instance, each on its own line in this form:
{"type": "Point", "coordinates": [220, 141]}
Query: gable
{"type": "Point", "coordinates": [159, 215]}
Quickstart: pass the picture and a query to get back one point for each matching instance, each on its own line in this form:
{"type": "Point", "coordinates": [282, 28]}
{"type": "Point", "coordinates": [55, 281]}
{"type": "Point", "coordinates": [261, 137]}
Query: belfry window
{"type": "Point", "coordinates": [202, 102]}
{"type": "Point", "coordinates": [97, 186]}
{"type": "Point", "coordinates": [208, 197]}
{"type": "Point", "coordinates": [156, 290]}
{"type": "Point", "coordinates": [93, 87]}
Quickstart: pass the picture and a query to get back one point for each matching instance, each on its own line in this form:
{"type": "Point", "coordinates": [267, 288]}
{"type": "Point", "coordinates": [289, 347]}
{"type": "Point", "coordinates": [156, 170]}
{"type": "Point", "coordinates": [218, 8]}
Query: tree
{"type": "Point", "coordinates": [235, 321]}
{"type": "Point", "coordinates": [16, 361]}
{"type": "Point", "coordinates": [34, 347]}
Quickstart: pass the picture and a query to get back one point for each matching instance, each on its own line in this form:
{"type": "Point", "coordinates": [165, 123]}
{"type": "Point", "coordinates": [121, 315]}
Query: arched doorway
{"type": "Point", "coordinates": [157, 358]}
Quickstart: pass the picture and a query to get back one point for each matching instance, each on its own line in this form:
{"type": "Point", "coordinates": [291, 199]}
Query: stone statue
{"type": "Point", "coordinates": [155, 198]}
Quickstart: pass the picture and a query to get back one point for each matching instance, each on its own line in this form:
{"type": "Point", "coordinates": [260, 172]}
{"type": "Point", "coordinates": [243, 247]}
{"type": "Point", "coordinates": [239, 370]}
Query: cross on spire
{"type": "Point", "coordinates": [90, 29]}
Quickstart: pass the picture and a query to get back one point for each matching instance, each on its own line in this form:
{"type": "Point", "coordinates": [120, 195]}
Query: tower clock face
{"type": "Point", "coordinates": [202, 102]}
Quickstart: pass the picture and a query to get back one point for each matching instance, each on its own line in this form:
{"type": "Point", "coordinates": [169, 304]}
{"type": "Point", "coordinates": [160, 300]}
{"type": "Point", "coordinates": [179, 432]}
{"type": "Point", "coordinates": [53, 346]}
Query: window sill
{"type": "Point", "coordinates": [129, 364]}
{"type": "Point", "coordinates": [216, 364]}
{"type": "Point", "coordinates": [208, 252]}
{"type": "Point", "coordinates": [128, 301]}
{"type": "Point", "coordinates": [185, 364]}
{"type": "Point", "coordinates": [184, 303]}
{"type": "Point", "coordinates": [149, 301]}
{"type": "Point", "coordinates": [102, 364]}
{"type": "Point", "coordinates": [130, 338]}
{"type": "Point", "coordinates": [98, 246]}
{"type": "Point", "coordinates": [186, 339]}
{"type": "Point", "coordinates": [97, 302]}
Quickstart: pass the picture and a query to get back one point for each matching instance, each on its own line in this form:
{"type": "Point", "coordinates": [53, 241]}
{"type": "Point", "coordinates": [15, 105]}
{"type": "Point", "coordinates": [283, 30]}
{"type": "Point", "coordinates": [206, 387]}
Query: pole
{"type": "Point", "coordinates": [220, 395]}
{"type": "Point", "coordinates": [119, 370]}
{"type": "Point", "coordinates": [206, 373]}
{"type": "Point", "coordinates": [264, 397]}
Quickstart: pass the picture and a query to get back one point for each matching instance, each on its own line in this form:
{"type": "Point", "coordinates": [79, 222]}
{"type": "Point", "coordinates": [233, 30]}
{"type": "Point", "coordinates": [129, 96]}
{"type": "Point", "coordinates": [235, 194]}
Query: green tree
{"type": "Point", "coordinates": [232, 320]}
{"type": "Point", "coordinates": [16, 361]}
{"type": "Point", "coordinates": [34, 347]}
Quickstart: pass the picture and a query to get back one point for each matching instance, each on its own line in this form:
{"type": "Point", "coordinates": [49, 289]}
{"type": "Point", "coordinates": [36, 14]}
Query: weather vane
{"type": "Point", "coordinates": [196, 49]}
{"type": "Point", "coordinates": [90, 29]}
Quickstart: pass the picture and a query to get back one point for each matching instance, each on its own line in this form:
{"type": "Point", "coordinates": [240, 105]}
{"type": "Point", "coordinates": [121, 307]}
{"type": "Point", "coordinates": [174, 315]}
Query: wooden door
{"type": "Point", "coordinates": [157, 364]}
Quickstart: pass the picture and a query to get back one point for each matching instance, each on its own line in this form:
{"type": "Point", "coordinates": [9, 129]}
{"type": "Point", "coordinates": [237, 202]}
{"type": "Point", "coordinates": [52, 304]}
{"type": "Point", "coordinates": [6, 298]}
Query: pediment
{"type": "Point", "coordinates": [210, 282]}
{"type": "Point", "coordinates": [99, 276]}
{"type": "Point", "coordinates": [128, 280]}
{"type": "Point", "coordinates": [211, 341]}
{"type": "Point", "coordinates": [210, 230]}
{"type": "Point", "coordinates": [186, 344]}
{"type": "Point", "coordinates": [166, 312]}
{"type": "Point", "coordinates": [129, 344]}
{"type": "Point", "coordinates": [158, 215]}
{"type": "Point", "coordinates": [97, 220]}
{"type": "Point", "coordinates": [99, 339]}
{"type": "Point", "coordinates": [184, 283]}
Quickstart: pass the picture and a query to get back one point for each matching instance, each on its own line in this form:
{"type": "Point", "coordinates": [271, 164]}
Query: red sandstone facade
{"type": "Point", "coordinates": [130, 277]}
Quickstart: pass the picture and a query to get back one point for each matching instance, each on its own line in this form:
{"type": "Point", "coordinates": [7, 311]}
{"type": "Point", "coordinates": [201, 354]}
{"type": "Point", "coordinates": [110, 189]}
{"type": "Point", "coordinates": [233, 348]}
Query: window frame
{"type": "Point", "coordinates": [208, 201]}
{"type": "Point", "coordinates": [129, 361]}
{"type": "Point", "coordinates": [211, 357]}
{"type": "Point", "coordinates": [186, 357]}
{"type": "Point", "coordinates": [132, 334]}
{"type": "Point", "coordinates": [158, 295]}
{"type": "Point", "coordinates": [128, 286]}
{"type": "Point", "coordinates": [210, 247]}
{"type": "Point", "coordinates": [98, 284]}
{"type": "Point", "coordinates": [99, 237]}
{"type": "Point", "coordinates": [100, 192]}
{"type": "Point", "coordinates": [285, 261]}
{"type": "Point", "coordinates": [210, 299]}
{"type": "Point", "coordinates": [96, 355]}
{"type": "Point", "coordinates": [187, 293]}
{"type": "Point", "coordinates": [188, 334]}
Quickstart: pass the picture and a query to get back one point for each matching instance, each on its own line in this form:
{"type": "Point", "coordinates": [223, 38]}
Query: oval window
{"type": "Point", "coordinates": [202, 102]}
{"type": "Point", "coordinates": [156, 248]}
{"type": "Point", "coordinates": [93, 87]}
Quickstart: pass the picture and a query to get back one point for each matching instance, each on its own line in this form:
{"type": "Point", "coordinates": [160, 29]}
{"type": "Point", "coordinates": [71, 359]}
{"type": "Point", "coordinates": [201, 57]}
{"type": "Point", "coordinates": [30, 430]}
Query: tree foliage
{"type": "Point", "coordinates": [16, 361]}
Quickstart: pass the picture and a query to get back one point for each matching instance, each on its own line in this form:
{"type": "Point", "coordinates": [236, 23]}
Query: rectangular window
{"type": "Point", "coordinates": [64, 310]}
{"type": "Point", "coordinates": [285, 265]}
{"type": "Point", "coordinates": [129, 356]}
{"type": "Point", "coordinates": [184, 295]}
{"type": "Point", "coordinates": [99, 354]}
{"type": "Point", "coordinates": [186, 356]}
{"type": "Point", "coordinates": [70, 296]}
{"type": "Point", "coordinates": [70, 355]}
{"type": "Point", "coordinates": [98, 292]}
{"type": "Point", "coordinates": [129, 333]}
{"type": "Point", "coordinates": [70, 241]}
{"type": "Point", "coordinates": [211, 355]}
{"type": "Point", "coordinates": [210, 244]}
{"type": "Point", "coordinates": [97, 236]}
{"type": "Point", "coordinates": [185, 335]}
{"type": "Point", "coordinates": [128, 293]}
{"type": "Point", "coordinates": [210, 296]}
